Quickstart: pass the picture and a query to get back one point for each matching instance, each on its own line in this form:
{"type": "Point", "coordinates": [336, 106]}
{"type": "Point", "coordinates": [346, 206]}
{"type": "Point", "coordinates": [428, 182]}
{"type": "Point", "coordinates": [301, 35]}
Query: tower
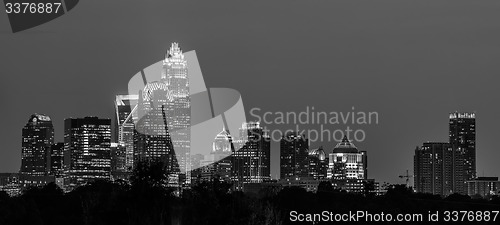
{"type": "Point", "coordinates": [175, 76]}
{"type": "Point", "coordinates": [433, 168]}
{"type": "Point", "coordinates": [38, 137]}
{"type": "Point", "coordinates": [125, 108]}
{"type": "Point", "coordinates": [293, 153]}
{"type": "Point", "coordinates": [251, 163]}
{"type": "Point", "coordinates": [462, 134]}
{"type": "Point", "coordinates": [87, 147]}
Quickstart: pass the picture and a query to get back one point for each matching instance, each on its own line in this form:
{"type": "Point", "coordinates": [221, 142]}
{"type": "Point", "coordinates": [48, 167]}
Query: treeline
{"type": "Point", "coordinates": [146, 201]}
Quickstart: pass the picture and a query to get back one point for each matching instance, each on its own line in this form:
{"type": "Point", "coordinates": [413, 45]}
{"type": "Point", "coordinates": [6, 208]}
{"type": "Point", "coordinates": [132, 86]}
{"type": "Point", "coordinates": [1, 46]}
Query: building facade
{"type": "Point", "coordinates": [293, 153]}
{"type": "Point", "coordinates": [175, 76]}
{"type": "Point", "coordinates": [251, 163]}
{"type": "Point", "coordinates": [87, 148]}
{"type": "Point", "coordinates": [484, 187]}
{"type": "Point", "coordinates": [125, 108]}
{"type": "Point", "coordinates": [217, 165]}
{"type": "Point", "coordinates": [347, 162]}
{"type": "Point", "coordinates": [462, 134]}
{"type": "Point", "coordinates": [152, 140]}
{"type": "Point", "coordinates": [434, 169]}
{"type": "Point", "coordinates": [56, 159]}
{"type": "Point", "coordinates": [315, 165]}
{"type": "Point", "coordinates": [37, 140]}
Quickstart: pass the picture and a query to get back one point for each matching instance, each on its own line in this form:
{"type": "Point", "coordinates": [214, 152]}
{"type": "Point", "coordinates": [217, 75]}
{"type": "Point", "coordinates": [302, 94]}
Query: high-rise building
{"type": "Point", "coordinates": [293, 153]}
{"type": "Point", "coordinates": [347, 168]}
{"type": "Point", "coordinates": [462, 134]}
{"type": "Point", "coordinates": [175, 76]}
{"type": "Point", "coordinates": [56, 159]}
{"type": "Point", "coordinates": [251, 163]}
{"type": "Point", "coordinates": [124, 125]}
{"type": "Point", "coordinates": [87, 143]}
{"type": "Point", "coordinates": [218, 164]}
{"type": "Point", "coordinates": [38, 137]}
{"type": "Point", "coordinates": [164, 119]}
{"type": "Point", "coordinates": [315, 165]}
{"type": "Point", "coordinates": [118, 161]}
{"type": "Point", "coordinates": [346, 162]}
{"type": "Point", "coordinates": [433, 168]}
{"type": "Point", "coordinates": [152, 140]}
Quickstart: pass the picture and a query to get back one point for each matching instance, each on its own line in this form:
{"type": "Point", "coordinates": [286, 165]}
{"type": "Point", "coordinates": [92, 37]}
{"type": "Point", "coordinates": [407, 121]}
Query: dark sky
{"type": "Point", "coordinates": [413, 62]}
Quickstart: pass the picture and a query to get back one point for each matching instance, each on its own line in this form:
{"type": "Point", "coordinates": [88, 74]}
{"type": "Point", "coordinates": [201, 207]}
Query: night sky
{"type": "Point", "coordinates": [413, 62]}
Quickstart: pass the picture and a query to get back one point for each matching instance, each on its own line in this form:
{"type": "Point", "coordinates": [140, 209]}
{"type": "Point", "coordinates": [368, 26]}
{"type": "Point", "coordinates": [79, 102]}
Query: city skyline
{"type": "Point", "coordinates": [423, 60]}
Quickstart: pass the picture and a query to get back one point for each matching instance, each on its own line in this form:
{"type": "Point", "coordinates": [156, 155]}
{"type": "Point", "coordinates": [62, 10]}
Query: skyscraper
{"type": "Point", "coordinates": [118, 161]}
{"type": "Point", "coordinates": [164, 118]}
{"type": "Point", "coordinates": [87, 143]}
{"type": "Point", "coordinates": [347, 162]}
{"type": "Point", "coordinates": [152, 140]}
{"type": "Point", "coordinates": [124, 126]}
{"type": "Point", "coordinates": [462, 136]}
{"type": "Point", "coordinates": [293, 153]}
{"type": "Point", "coordinates": [315, 165]}
{"type": "Point", "coordinates": [38, 137]}
{"type": "Point", "coordinates": [251, 163]}
{"type": "Point", "coordinates": [217, 165]}
{"type": "Point", "coordinates": [56, 159]}
{"type": "Point", "coordinates": [175, 76]}
{"type": "Point", "coordinates": [433, 168]}
{"type": "Point", "coordinates": [347, 168]}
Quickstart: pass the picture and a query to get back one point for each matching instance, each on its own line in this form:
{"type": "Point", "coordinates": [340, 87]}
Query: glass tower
{"type": "Point", "coordinates": [87, 147]}
{"type": "Point", "coordinates": [251, 163]}
{"type": "Point", "coordinates": [462, 136]}
{"type": "Point", "coordinates": [125, 107]}
{"type": "Point", "coordinates": [433, 166]}
{"type": "Point", "coordinates": [293, 154]}
{"type": "Point", "coordinates": [38, 136]}
{"type": "Point", "coordinates": [175, 76]}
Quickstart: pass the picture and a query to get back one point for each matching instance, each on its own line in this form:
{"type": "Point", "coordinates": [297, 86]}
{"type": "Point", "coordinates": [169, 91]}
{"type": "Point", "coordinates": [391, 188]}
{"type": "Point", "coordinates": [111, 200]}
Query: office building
{"type": "Point", "coordinates": [434, 169]}
{"type": "Point", "coordinates": [484, 187]}
{"type": "Point", "coordinates": [56, 159]}
{"type": "Point", "coordinates": [462, 134]}
{"type": "Point", "coordinates": [37, 139]}
{"type": "Point", "coordinates": [346, 162]}
{"type": "Point", "coordinates": [251, 163]}
{"type": "Point", "coordinates": [125, 108]}
{"type": "Point", "coordinates": [293, 153]}
{"type": "Point", "coordinates": [87, 149]}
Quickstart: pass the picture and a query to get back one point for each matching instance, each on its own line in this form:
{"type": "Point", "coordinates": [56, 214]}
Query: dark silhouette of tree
{"type": "Point", "coordinates": [325, 186]}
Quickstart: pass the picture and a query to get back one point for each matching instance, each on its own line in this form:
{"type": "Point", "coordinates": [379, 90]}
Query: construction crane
{"type": "Point", "coordinates": [407, 176]}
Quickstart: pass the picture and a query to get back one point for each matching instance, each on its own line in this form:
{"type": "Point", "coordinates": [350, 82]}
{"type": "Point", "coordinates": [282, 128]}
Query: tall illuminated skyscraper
{"type": "Point", "coordinates": [175, 76]}
{"type": "Point", "coordinates": [315, 165]}
{"type": "Point", "coordinates": [293, 152]}
{"type": "Point", "coordinates": [38, 137]}
{"type": "Point", "coordinates": [433, 168]}
{"type": "Point", "coordinates": [251, 163]}
{"type": "Point", "coordinates": [87, 147]}
{"type": "Point", "coordinates": [462, 135]}
{"type": "Point", "coordinates": [164, 119]}
{"type": "Point", "coordinates": [152, 140]}
{"type": "Point", "coordinates": [124, 125]}
{"type": "Point", "coordinates": [56, 159]}
{"type": "Point", "coordinates": [347, 162]}
{"type": "Point", "coordinates": [217, 165]}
